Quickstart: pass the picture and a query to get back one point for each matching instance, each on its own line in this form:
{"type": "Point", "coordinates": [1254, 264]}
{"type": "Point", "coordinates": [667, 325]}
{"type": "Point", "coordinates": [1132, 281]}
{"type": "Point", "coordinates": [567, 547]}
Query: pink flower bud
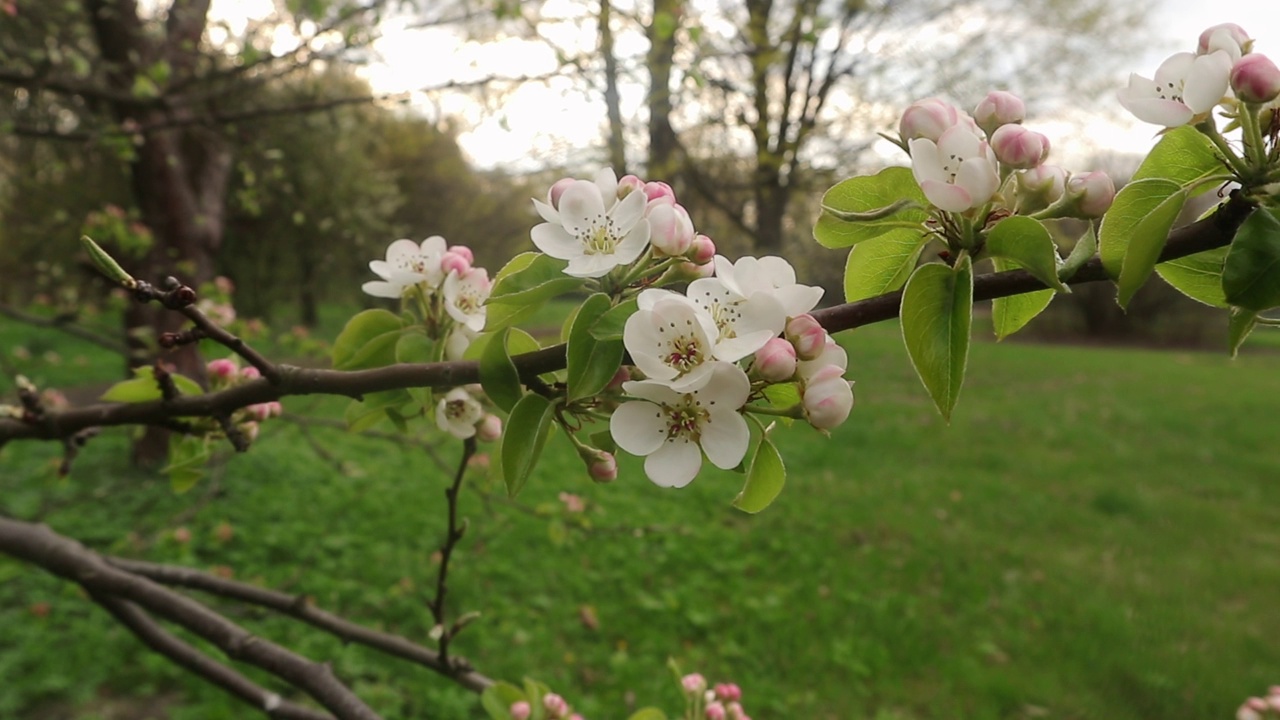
{"type": "Point", "coordinates": [1040, 187]}
{"type": "Point", "coordinates": [807, 335]}
{"type": "Point", "coordinates": [576, 716]}
{"type": "Point", "coordinates": [555, 705]}
{"type": "Point", "coordinates": [629, 184]}
{"type": "Point", "coordinates": [671, 230]}
{"type": "Point", "coordinates": [1247, 713]}
{"type": "Point", "coordinates": [521, 710]}
{"type": "Point", "coordinates": [692, 271]}
{"type": "Point", "coordinates": [1019, 147]}
{"type": "Point", "coordinates": [729, 692]}
{"type": "Point", "coordinates": [573, 503]}
{"type": "Point", "coordinates": [927, 118]}
{"type": "Point", "coordinates": [659, 191]}
{"type": "Point", "coordinates": [222, 368]}
{"type": "Point", "coordinates": [464, 251]}
{"type": "Point", "coordinates": [489, 428]}
{"type": "Point", "coordinates": [999, 108]}
{"type": "Point", "coordinates": [1255, 79]}
{"type": "Point", "coordinates": [250, 430]}
{"type": "Point", "coordinates": [619, 377]}
{"type": "Point", "coordinates": [249, 372]}
{"type": "Point", "coordinates": [1093, 193]}
{"type": "Point", "coordinates": [701, 251]}
{"type": "Point", "coordinates": [776, 361]}
{"type": "Point", "coordinates": [604, 469]}
{"type": "Point", "coordinates": [715, 711]}
{"type": "Point", "coordinates": [557, 189]}
{"type": "Point", "coordinates": [693, 683]}
{"type": "Point", "coordinates": [452, 261]}
{"type": "Point", "coordinates": [1227, 36]}
{"type": "Point", "coordinates": [828, 398]}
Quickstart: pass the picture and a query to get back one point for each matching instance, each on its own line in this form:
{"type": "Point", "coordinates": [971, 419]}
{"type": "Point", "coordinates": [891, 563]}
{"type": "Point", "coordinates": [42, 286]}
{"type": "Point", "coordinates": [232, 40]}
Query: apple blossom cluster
{"type": "Point", "coordinates": [225, 373]}
{"type": "Point", "coordinates": [438, 281]}
{"type": "Point", "coordinates": [721, 702]}
{"type": "Point", "coordinates": [964, 162]}
{"type": "Point", "coordinates": [1188, 85]}
{"type": "Point", "coordinates": [607, 226]}
{"type": "Point", "coordinates": [1256, 708]}
{"type": "Point", "coordinates": [555, 707]}
{"type": "Point", "coordinates": [708, 352]}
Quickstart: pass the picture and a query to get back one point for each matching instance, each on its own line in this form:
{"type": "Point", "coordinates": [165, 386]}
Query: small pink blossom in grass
{"type": "Point", "coordinates": [182, 536]}
{"type": "Point", "coordinates": [693, 683]}
{"type": "Point", "coordinates": [479, 461]}
{"type": "Point", "coordinates": [715, 711]}
{"type": "Point", "coordinates": [728, 692]}
{"type": "Point", "coordinates": [555, 705]}
{"type": "Point", "coordinates": [520, 710]}
{"type": "Point", "coordinates": [573, 503]}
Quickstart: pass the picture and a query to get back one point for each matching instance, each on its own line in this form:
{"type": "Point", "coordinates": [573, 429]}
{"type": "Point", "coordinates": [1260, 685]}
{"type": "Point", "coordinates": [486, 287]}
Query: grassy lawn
{"type": "Point", "coordinates": [1096, 535]}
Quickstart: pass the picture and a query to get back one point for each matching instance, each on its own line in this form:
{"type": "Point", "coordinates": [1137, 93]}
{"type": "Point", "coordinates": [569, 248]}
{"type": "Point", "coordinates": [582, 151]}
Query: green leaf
{"type": "Point", "coordinates": [360, 415]}
{"type": "Point", "coordinates": [1086, 247]}
{"type": "Point", "coordinates": [1198, 276]}
{"type": "Point", "coordinates": [359, 332]}
{"type": "Point", "coordinates": [414, 346]}
{"type": "Point", "coordinates": [867, 194]}
{"type": "Point", "coordinates": [937, 311]}
{"type": "Point", "coordinates": [188, 455]}
{"type": "Point", "coordinates": [143, 387]}
{"type": "Point", "coordinates": [882, 264]}
{"type": "Point", "coordinates": [1134, 231]}
{"type": "Point", "coordinates": [1239, 325]}
{"type": "Point", "coordinates": [498, 374]}
{"type": "Point", "coordinates": [648, 714]}
{"type": "Point", "coordinates": [106, 264]}
{"type": "Point", "coordinates": [542, 279]}
{"type": "Point", "coordinates": [1011, 314]}
{"type": "Point", "coordinates": [526, 433]}
{"type": "Point", "coordinates": [609, 326]}
{"type": "Point", "coordinates": [764, 480]}
{"type": "Point", "coordinates": [1027, 242]}
{"type": "Point", "coordinates": [1251, 273]}
{"type": "Point", "coordinates": [591, 363]}
{"type": "Point", "coordinates": [1184, 155]}
{"type": "Point", "coordinates": [498, 698]}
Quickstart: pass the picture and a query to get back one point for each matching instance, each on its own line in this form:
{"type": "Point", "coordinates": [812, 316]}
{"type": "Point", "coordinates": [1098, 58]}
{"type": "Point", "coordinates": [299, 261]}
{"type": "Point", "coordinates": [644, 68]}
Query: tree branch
{"type": "Point", "coordinates": [186, 656]}
{"type": "Point", "coordinates": [39, 545]}
{"type": "Point", "coordinates": [1212, 232]}
{"type": "Point", "coordinates": [300, 607]}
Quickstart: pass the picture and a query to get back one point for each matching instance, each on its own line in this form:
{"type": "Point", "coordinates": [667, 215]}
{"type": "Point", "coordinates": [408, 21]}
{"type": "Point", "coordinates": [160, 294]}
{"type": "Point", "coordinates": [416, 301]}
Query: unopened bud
{"type": "Point", "coordinates": [659, 192]}
{"type": "Point", "coordinates": [489, 428]}
{"type": "Point", "coordinates": [729, 692]}
{"type": "Point", "coordinates": [702, 250]}
{"type": "Point", "coordinates": [464, 251]}
{"type": "Point", "coordinates": [776, 361]}
{"type": "Point", "coordinates": [1040, 187]}
{"type": "Point", "coordinates": [557, 189]}
{"type": "Point", "coordinates": [222, 368]}
{"type": "Point", "coordinates": [628, 184]}
{"type": "Point", "coordinates": [828, 398]}
{"type": "Point", "coordinates": [521, 710]}
{"type": "Point", "coordinates": [555, 705]}
{"type": "Point", "coordinates": [999, 108]}
{"type": "Point", "coordinates": [1228, 37]}
{"type": "Point", "coordinates": [1019, 147]}
{"type": "Point", "coordinates": [715, 711]}
{"type": "Point", "coordinates": [249, 372]}
{"type": "Point", "coordinates": [807, 335]}
{"type": "Point", "coordinates": [452, 261]}
{"type": "Point", "coordinates": [671, 230]}
{"type": "Point", "coordinates": [693, 684]}
{"type": "Point", "coordinates": [1255, 79]}
{"type": "Point", "coordinates": [1093, 193]}
{"type": "Point", "coordinates": [927, 118]}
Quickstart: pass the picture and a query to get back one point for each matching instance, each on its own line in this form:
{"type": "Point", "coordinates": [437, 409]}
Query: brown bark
{"type": "Point", "coordinates": [663, 161]}
{"type": "Point", "coordinates": [612, 100]}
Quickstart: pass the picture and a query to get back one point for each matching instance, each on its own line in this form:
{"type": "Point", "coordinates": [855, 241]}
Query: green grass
{"type": "Point", "coordinates": [1096, 535]}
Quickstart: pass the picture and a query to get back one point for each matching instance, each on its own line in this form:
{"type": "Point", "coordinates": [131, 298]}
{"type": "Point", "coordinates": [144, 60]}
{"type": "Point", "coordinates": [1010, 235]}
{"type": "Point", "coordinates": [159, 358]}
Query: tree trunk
{"type": "Point", "coordinates": [612, 101]}
{"type": "Point", "coordinates": [663, 162]}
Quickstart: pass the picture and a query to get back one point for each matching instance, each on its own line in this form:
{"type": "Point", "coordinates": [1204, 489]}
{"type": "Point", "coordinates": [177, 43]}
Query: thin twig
{"type": "Point", "coordinates": [453, 533]}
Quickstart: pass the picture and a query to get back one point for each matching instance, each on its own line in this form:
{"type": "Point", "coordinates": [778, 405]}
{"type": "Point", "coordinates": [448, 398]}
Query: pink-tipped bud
{"type": "Point", "coordinates": [659, 192]}
{"type": "Point", "coordinates": [223, 368]}
{"type": "Point", "coordinates": [828, 398]}
{"type": "Point", "coordinates": [489, 428]}
{"type": "Point", "coordinates": [604, 469]}
{"type": "Point", "coordinates": [250, 430]}
{"type": "Point", "coordinates": [1255, 79]}
{"type": "Point", "coordinates": [671, 230]}
{"type": "Point", "coordinates": [927, 118]}
{"type": "Point", "coordinates": [807, 335]}
{"type": "Point", "coordinates": [693, 684]}
{"type": "Point", "coordinates": [265, 411]}
{"type": "Point", "coordinates": [999, 108]}
{"type": "Point", "coordinates": [728, 692]}
{"type": "Point", "coordinates": [1019, 147]}
{"type": "Point", "coordinates": [1093, 192]}
{"type": "Point", "coordinates": [1247, 713]}
{"type": "Point", "coordinates": [576, 716]}
{"type": "Point", "coordinates": [692, 271]}
{"type": "Point", "coordinates": [1229, 37]}
{"type": "Point", "coordinates": [249, 372]}
{"type": "Point", "coordinates": [452, 261]}
{"type": "Point", "coordinates": [464, 251]}
{"type": "Point", "coordinates": [776, 361]}
{"type": "Point", "coordinates": [628, 184]}
{"type": "Point", "coordinates": [573, 503]}
{"type": "Point", "coordinates": [557, 189]}
{"type": "Point", "coordinates": [521, 710]}
{"type": "Point", "coordinates": [556, 706]}
{"type": "Point", "coordinates": [619, 377]}
{"type": "Point", "coordinates": [735, 711]}
{"type": "Point", "coordinates": [1040, 187]}
{"type": "Point", "coordinates": [715, 711]}
{"type": "Point", "coordinates": [701, 251]}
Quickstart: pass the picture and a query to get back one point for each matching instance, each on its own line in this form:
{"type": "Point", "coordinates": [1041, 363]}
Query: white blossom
{"type": "Point", "coordinates": [671, 340]}
{"type": "Point", "coordinates": [458, 412]}
{"type": "Point", "coordinates": [1185, 85]}
{"type": "Point", "coordinates": [771, 275]}
{"type": "Point", "coordinates": [674, 429]}
{"type": "Point", "coordinates": [408, 263]}
{"type": "Point", "coordinates": [958, 172]}
{"type": "Point", "coordinates": [591, 228]}
{"type": "Point", "coordinates": [465, 295]}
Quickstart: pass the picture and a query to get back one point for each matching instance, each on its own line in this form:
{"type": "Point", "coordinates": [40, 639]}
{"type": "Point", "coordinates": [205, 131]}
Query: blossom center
{"type": "Point", "coordinates": [455, 409]}
{"type": "Point", "coordinates": [684, 353]}
{"type": "Point", "coordinates": [685, 420]}
{"type": "Point", "coordinates": [599, 239]}
{"type": "Point", "coordinates": [1173, 91]}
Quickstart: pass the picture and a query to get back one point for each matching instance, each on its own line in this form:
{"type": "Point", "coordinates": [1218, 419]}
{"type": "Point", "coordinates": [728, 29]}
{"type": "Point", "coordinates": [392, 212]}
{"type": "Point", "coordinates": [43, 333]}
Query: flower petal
{"type": "Point", "coordinates": [675, 464]}
{"type": "Point", "coordinates": [628, 213]}
{"type": "Point", "coordinates": [725, 438]}
{"type": "Point", "coordinates": [926, 162]}
{"type": "Point", "coordinates": [547, 212]}
{"type": "Point", "coordinates": [638, 427]}
{"type": "Point", "coordinates": [946, 196]}
{"type": "Point", "coordinates": [978, 178]}
{"type": "Point", "coordinates": [1154, 110]}
{"type": "Point", "coordinates": [581, 207]}
{"type": "Point", "coordinates": [554, 241]}
{"type": "Point", "coordinates": [1207, 81]}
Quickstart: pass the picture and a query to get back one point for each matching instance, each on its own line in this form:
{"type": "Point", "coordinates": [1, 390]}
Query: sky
{"type": "Point", "coordinates": [541, 123]}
